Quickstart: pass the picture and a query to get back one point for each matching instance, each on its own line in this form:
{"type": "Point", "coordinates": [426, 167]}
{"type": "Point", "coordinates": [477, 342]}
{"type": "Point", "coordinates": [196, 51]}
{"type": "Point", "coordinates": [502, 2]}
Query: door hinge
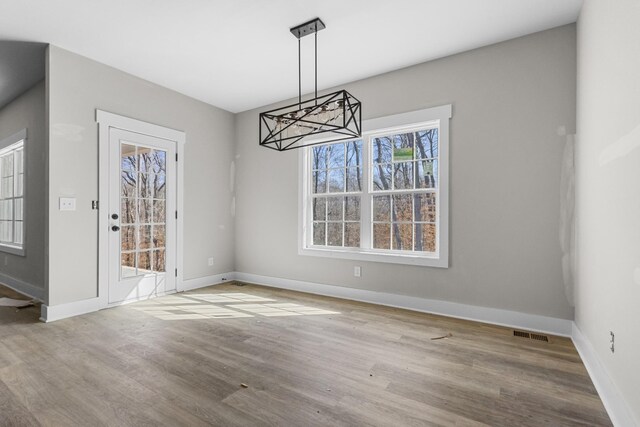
{"type": "Point", "coordinates": [176, 157]}
{"type": "Point", "coordinates": [176, 214]}
{"type": "Point", "coordinates": [95, 205]}
{"type": "Point", "coordinates": [176, 272]}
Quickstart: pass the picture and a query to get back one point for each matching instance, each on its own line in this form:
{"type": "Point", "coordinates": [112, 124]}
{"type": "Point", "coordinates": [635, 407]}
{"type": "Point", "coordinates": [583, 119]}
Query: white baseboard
{"type": "Point", "coordinates": [76, 308]}
{"type": "Point", "coordinates": [614, 403]}
{"type": "Point", "coordinates": [494, 316]}
{"type": "Point", "coordinates": [51, 313]}
{"type": "Point", "coordinates": [22, 287]}
{"type": "Point", "coordinates": [203, 282]}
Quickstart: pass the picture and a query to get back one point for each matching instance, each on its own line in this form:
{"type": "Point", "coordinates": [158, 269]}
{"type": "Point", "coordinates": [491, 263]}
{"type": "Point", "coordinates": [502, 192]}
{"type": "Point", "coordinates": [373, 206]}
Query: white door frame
{"type": "Point", "coordinates": [107, 121]}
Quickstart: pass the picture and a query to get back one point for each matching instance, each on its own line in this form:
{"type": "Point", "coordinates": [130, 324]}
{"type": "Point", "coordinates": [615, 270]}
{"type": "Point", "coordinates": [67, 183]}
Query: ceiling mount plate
{"type": "Point", "coordinates": [307, 28]}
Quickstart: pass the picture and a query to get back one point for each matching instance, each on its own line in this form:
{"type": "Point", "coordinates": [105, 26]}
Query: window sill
{"type": "Point", "coordinates": [12, 250]}
{"type": "Point", "coordinates": [370, 256]}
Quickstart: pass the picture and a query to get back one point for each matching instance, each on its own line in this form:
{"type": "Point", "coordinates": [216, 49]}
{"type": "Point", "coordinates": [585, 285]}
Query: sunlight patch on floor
{"type": "Point", "coordinates": [283, 309]}
{"type": "Point", "coordinates": [222, 306]}
{"type": "Point", "coordinates": [229, 297]}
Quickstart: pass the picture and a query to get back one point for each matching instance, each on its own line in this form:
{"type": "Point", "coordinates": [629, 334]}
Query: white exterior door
{"type": "Point", "coordinates": [142, 216]}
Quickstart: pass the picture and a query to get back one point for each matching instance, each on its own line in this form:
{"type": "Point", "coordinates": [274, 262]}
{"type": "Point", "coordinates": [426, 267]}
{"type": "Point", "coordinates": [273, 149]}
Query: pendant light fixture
{"type": "Point", "coordinates": [333, 117]}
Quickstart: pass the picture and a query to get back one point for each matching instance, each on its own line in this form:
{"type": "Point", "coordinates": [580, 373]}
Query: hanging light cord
{"type": "Point", "coordinates": [300, 69]}
{"type": "Point", "coordinates": [316, 62]}
{"type": "Point", "coordinates": [299, 77]}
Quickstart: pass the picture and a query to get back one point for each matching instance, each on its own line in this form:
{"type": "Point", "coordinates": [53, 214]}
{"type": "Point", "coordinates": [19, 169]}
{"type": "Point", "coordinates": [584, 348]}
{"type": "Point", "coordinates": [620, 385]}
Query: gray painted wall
{"type": "Point", "coordinates": [77, 87]}
{"type": "Point", "coordinates": [508, 101]}
{"type": "Point", "coordinates": [26, 273]}
{"type": "Point", "coordinates": [608, 188]}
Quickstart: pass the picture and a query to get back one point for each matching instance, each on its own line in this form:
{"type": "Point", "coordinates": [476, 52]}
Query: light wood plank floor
{"type": "Point", "coordinates": [305, 360]}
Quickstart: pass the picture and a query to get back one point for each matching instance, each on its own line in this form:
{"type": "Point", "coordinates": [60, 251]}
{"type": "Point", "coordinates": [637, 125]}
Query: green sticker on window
{"type": "Point", "coordinates": [401, 154]}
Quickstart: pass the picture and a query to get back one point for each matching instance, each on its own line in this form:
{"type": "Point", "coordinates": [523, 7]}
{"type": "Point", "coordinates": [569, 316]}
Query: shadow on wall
{"type": "Point", "coordinates": [21, 67]}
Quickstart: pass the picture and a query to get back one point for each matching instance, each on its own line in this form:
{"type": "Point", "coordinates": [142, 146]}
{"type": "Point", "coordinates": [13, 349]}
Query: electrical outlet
{"type": "Point", "coordinates": [67, 203]}
{"type": "Point", "coordinates": [357, 271]}
{"type": "Point", "coordinates": [210, 261]}
{"type": "Point", "coordinates": [613, 342]}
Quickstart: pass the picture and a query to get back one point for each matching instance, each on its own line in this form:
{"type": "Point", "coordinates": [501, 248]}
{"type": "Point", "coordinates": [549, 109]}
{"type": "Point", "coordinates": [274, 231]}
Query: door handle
{"type": "Point", "coordinates": [115, 228]}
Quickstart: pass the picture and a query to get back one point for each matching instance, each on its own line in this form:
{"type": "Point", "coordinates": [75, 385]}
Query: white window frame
{"type": "Point", "coordinates": [8, 144]}
{"type": "Point", "coordinates": [384, 125]}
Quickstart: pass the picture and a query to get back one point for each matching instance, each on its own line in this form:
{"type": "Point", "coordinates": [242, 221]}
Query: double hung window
{"type": "Point", "coordinates": [383, 197]}
{"type": "Point", "coordinates": [12, 181]}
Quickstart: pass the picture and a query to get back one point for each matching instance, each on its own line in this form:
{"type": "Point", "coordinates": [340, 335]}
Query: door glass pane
{"type": "Point", "coordinates": [128, 238]}
{"type": "Point", "coordinates": [159, 212]}
{"type": "Point", "coordinates": [144, 237]}
{"type": "Point", "coordinates": [128, 157]}
{"type": "Point", "coordinates": [144, 159]}
{"type": "Point", "coordinates": [157, 185]}
{"type": "Point", "coordinates": [144, 262]}
{"type": "Point", "coordinates": [144, 185]}
{"type": "Point", "coordinates": [159, 162]}
{"type": "Point", "coordinates": [143, 210]}
{"type": "Point", "coordinates": [128, 212]}
{"type": "Point", "coordinates": [158, 261]}
{"type": "Point", "coordinates": [159, 235]}
{"type": "Point", "coordinates": [128, 261]}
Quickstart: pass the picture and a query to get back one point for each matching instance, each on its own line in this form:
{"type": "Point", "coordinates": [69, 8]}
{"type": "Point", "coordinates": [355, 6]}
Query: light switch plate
{"type": "Point", "coordinates": [67, 203]}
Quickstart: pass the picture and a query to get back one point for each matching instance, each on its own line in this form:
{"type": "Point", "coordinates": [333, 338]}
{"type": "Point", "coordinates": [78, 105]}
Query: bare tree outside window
{"type": "Point", "coordinates": [403, 169]}
{"type": "Point", "coordinates": [336, 191]}
{"type": "Point", "coordinates": [143, 210]}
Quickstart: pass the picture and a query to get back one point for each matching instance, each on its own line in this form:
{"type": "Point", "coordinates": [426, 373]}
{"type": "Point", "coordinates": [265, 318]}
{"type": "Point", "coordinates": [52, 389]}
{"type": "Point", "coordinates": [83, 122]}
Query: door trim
{"type": "Point", "coordinates": [106, 121]}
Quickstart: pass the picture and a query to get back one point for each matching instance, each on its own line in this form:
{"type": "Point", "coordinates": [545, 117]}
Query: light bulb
{"type": "Point", "coordinates": [324, 115]}
{"type": "Point", "coordinates": [339, 110]}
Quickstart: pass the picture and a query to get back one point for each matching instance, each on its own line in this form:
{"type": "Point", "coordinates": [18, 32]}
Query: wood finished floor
{"type": "Point", "coordinates": [307, 360]}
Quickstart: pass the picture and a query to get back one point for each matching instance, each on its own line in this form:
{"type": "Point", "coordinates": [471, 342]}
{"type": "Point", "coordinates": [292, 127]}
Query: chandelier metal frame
{"type": "Point", "coordinates": [333, 117]}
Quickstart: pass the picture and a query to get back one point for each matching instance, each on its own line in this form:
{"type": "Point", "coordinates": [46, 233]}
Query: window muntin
{"type": "Point", "coordinates": [402, 191]}
{"type": "Point", "coordinates": [12, 195]}
{"type": "Point", "coordinates": [404, 183]}
{"type": "Point", "coordinates": [336, 194]}
{"type": "Point", "coordinates": [428, 182]}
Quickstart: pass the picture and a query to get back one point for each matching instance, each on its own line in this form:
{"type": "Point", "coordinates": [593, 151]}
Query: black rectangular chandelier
{"type": "Point", "coordinates": [333, 117]}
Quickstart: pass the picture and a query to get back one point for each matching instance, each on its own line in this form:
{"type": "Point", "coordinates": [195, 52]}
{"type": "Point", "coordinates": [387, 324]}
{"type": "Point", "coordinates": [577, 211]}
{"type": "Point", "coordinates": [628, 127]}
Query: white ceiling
{"type": "Point", "coordinates": [239, 54]}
